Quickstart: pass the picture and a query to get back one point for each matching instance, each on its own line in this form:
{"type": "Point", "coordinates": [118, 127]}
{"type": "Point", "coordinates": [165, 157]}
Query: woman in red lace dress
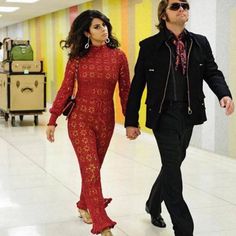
{"type": "Point", "coordinates": [94, 51]}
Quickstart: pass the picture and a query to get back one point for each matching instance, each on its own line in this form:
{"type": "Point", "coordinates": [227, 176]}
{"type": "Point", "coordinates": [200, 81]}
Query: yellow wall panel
{"type": "Point", "coordinates": [48, 60]}
{"type": "Point", "coordinates": [86, 6]}
{"type": "Point", "coordinates": [60, 31]}
{"type": "Point", "coordinates": [113, 12]}
{"type": "Point", "coordinates": [143, 23]}
{"type": "Point", "coordinates": [143, 29]}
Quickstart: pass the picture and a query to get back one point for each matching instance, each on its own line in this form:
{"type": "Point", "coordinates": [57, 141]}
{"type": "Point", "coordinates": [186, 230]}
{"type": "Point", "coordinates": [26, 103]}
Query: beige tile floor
{"type": "Point", "coordinates": [40, 183]}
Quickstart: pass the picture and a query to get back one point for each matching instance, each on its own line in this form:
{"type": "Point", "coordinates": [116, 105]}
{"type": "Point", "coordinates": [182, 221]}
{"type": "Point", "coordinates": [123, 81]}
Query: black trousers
{"type": "Point", "coordinates": [172, 134]}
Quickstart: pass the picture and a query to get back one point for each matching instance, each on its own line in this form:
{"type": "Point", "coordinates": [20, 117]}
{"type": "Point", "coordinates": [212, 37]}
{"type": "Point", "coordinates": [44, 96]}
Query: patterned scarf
{"type": "Point", "coordinates": [181, 54]}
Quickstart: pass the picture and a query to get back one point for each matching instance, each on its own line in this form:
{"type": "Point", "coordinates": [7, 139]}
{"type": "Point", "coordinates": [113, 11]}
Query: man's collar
{"type": "Point", "coordinates": [169, 35]}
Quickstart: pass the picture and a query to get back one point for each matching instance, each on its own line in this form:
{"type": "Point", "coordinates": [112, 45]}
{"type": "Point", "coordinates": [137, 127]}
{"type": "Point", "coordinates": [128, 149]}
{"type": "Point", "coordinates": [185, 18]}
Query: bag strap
{"type": "Point", "coordinates": [75, 89]}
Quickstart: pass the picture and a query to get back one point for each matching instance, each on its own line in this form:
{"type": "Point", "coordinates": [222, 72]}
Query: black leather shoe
{"type": "Point", "coordinates": [156, 220]}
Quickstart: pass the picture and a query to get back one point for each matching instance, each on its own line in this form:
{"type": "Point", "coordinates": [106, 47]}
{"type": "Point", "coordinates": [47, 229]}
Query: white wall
{"type": "Point", "coordinates": [203, 21]}
{"type": "Point", "coordinates": [212, 19]}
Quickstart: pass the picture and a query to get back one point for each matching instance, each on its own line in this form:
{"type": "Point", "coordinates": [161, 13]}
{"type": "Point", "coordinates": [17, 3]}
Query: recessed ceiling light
{"type": "Point", "coordinates": [8, 9]}
{"type": "Point", "coordinates": [23, 1]}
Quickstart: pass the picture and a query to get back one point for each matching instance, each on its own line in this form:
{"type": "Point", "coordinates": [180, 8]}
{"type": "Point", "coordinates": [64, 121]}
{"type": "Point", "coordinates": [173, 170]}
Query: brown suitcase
{"type": "Point", "coordinates": [25, 67]}
{"type": "Point", "coordinates": [22, 92]}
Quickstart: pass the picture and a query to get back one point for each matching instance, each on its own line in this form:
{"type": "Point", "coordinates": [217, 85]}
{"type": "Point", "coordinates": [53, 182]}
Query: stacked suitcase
{"type": "Point", "coordinates": [22, 82]}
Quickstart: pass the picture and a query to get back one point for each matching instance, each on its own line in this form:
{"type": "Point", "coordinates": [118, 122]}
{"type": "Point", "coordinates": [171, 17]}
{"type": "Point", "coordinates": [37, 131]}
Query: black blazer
{"type": "Point", "coordinates": [152, 71]}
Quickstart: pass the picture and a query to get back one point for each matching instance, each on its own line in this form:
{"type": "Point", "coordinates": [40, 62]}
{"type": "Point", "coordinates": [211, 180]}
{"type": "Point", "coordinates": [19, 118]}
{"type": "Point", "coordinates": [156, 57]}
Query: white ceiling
{"type": "Point", "coordinates": [28, 11]}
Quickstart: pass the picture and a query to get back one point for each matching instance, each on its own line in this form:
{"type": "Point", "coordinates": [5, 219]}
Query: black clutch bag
{"type": "Point", "coordinates": [69, 106]}
{"type": "Point", "coordinates": [70, 102]}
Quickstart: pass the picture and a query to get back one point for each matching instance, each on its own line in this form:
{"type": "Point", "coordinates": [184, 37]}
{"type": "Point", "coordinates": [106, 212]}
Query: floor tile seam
{"type": "Point", "coordinates": [27, 188]}
{"type": "Point", "coordinates": [132, 195]}
{"type": "Point", "coordinates": [148, 136]}
{"type": "Point", "coordinates": [211, 155]}
{"type": "Point", "coordinates": [126, 157]}
{"type": "Point", "coordinates": [210, 194]}
{"type": "Point", "coordinates": [39, 203]}
{"type": "Point", "coordinates": [41, 224]}
{"type": "Point", "coordinates": [134, 214]}
{"type": "Point", "coordinates": [120, 229]}
{"type": "Point", "coordinates": [214, 231]}
{"type": "Point", "coordinates": [40, 167]}
{"type": "Point", "coordinates": [48, 224]}
{"type": "Point", "coordinates": [209, 207]}
{"type": "Point", "coordinates": [59, 222]}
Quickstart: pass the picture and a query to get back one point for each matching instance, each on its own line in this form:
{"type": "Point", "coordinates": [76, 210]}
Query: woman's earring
{"type": "Point", "coordinates": [86, 46]}
{"type": "Point", "coordinates": [107, 41]}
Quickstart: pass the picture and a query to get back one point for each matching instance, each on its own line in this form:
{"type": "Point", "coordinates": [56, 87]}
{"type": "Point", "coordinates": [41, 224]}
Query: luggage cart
{"type": "Point", "coordinates": [21, 115]}
{"type": "Point", "coordinates": [22, 94]}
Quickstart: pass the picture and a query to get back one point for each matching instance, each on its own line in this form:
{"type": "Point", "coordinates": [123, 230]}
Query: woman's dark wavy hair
{"type": "Point", "coordinates": [162, 11]}
{"type": "Point", "coordinates": [76, 39]}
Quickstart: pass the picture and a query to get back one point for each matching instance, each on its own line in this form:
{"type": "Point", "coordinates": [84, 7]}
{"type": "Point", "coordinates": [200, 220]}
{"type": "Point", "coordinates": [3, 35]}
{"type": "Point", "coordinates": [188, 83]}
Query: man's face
{"type": "Point", "coordinates": [177, 13]}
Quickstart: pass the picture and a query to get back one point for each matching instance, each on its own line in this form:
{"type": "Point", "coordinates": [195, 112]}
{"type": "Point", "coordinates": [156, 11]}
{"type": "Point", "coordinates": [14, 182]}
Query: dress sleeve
{"type": "Point", "coordinates": [64, 92]}
{"type": "Point", "coordinates": [124, 82]}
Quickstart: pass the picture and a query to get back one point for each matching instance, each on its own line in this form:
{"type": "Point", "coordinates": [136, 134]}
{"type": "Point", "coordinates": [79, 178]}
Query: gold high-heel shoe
{"type": "Point", "coordinates": [106, 232]}
{"type": "Point", "coordinates": [84, 214]}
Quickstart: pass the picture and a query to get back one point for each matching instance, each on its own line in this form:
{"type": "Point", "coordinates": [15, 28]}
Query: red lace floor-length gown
{"type": "Point", "coordinates": [91, 123]}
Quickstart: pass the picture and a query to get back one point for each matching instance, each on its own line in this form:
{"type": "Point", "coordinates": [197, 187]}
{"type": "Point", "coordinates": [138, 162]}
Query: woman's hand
{"type": "Point", "coordinates": [50, 133]}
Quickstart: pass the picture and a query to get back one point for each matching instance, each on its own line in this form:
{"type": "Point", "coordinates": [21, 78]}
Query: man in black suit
{"type": "Point", "coordinates": [173, 64]}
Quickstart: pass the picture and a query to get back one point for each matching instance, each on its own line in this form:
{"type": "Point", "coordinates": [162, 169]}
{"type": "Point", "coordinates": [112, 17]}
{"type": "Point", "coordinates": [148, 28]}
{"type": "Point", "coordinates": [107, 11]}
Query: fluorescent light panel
{"type": "Point", "coordinates": [8, 9]}
{"type": "Point", "coordinates": [23, 1]}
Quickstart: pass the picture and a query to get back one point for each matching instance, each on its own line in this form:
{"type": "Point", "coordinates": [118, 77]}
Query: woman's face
{"type": "Point", "coordinates": [98, 32]}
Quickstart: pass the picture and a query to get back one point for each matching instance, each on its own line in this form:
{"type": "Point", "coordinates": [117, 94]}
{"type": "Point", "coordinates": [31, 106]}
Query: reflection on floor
{"type": "Point", "coordinates": [40, 183]}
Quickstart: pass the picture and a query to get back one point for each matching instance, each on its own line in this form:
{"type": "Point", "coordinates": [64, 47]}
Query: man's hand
{"type": "Point", "coordinates": [228, 104]}
{"type": "Point", "coordinates": [132, 132]}
{"type": "Point", "coordinates": [50, 133]}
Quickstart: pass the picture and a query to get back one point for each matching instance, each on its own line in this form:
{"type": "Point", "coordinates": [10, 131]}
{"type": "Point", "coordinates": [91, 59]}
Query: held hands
{"type": "Point", "coordinates": [132, 132]}
{"type": "Point", "coordinates": [227, 103]}
{"type": "Point", "coordinates": [50, 133]}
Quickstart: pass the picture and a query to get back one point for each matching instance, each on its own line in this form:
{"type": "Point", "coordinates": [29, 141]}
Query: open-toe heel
{"type": "Point", "coordinates": [106, 232]}
{"type": "Point", "coordinates": [84, 214]}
